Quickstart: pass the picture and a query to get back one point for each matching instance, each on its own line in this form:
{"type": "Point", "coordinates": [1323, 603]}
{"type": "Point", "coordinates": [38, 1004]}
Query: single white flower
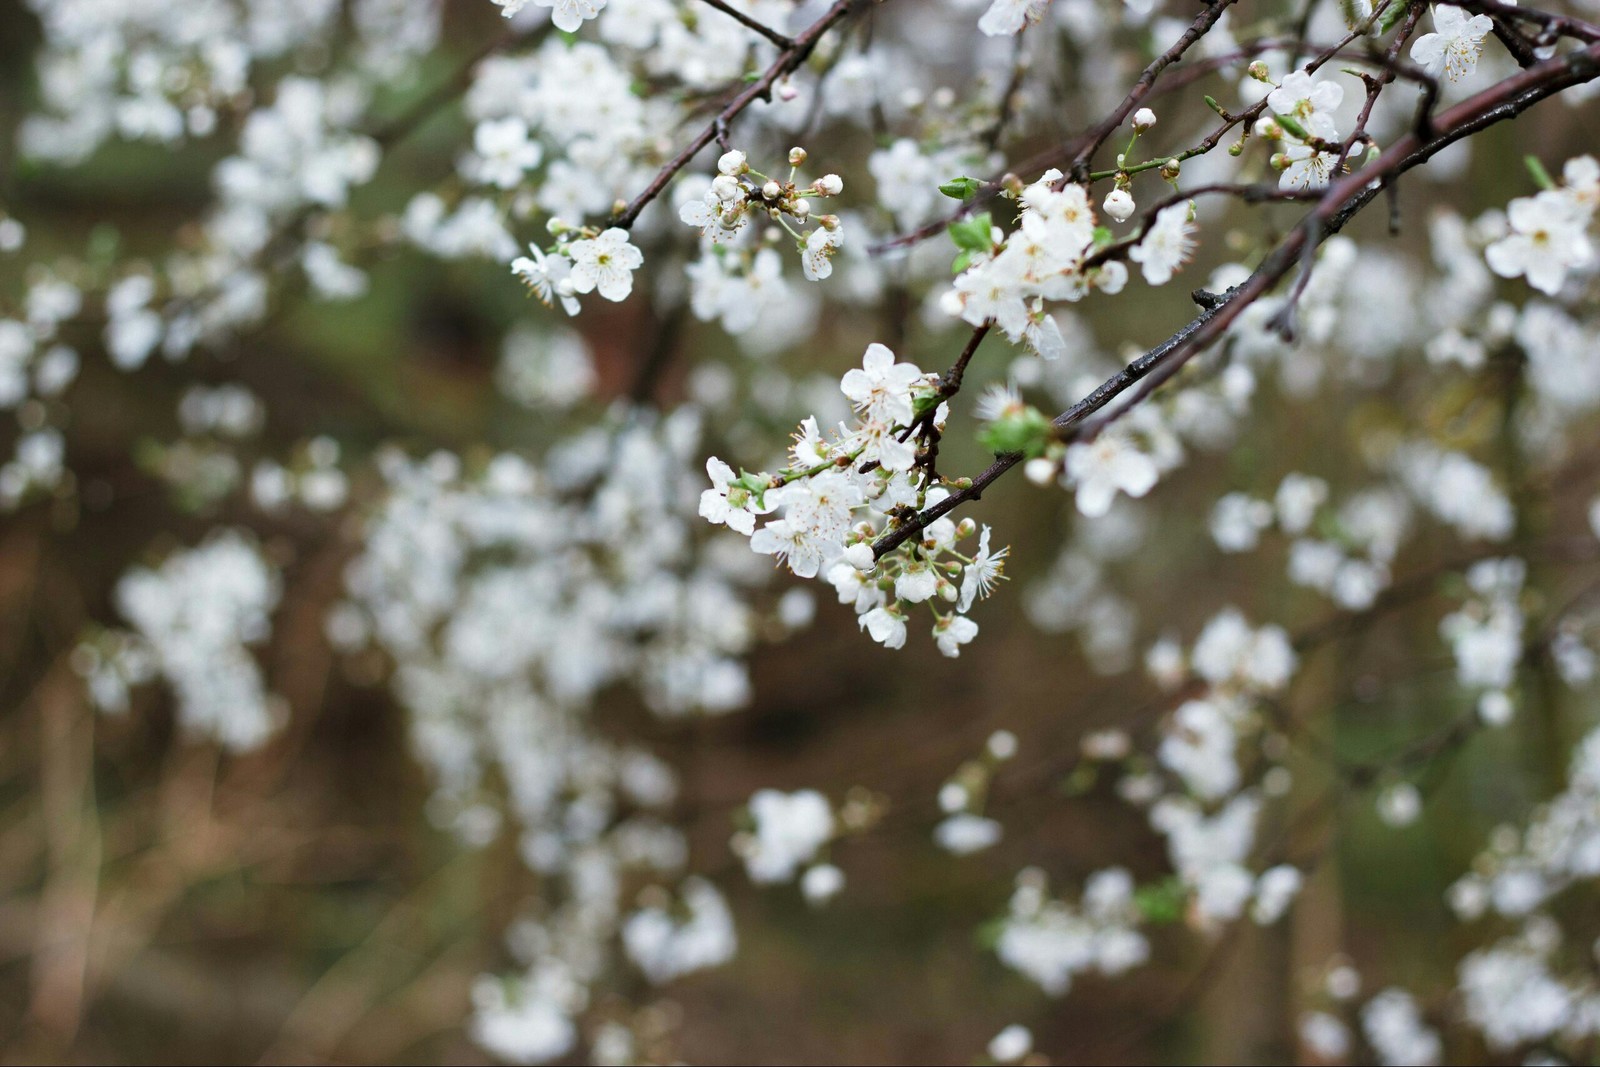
{"type": "Point", "coordinates": [964, 833]}
{"type": "Point", "coordinates": [916, 582]}
{"type": "Point", "coordinates": [1306, 167]}
{"type": "Point", "coordinates": [726, 503]}
{"type": "Point", "coordinates": [1007, 17]}
{"type": "Point", "coordinates": [986, 568]}
{"type": "Point", "coordinates": [1453, 48]}
{"type": "Point", "coordinates": [953, 631]}
{"type": "Point", "coordinates": [816, 262]}
{"type": "Point", "coordinates": [568, 15]}
{"type": "Point", "coordinates": [1103, 467]}
{"type": "Point", "coordinates": [504, 151]}
{"type": "Point", "coordinates": [1547, 239]}
{"type": "Point", "coordinates": [549, 276]}
{"type": "Point", "coordinates": [605, 263]}
{"type": "Point", "coordinates": [1167, 245]}
{"type": "Point", "coordinates": [887, 627]}
{"type": "Point", "coordinates": [1309, 102]}
{"type": "Point", "coordinates": [881, 389]}
{"type": "Point", "coordinates": [1011, 1044]}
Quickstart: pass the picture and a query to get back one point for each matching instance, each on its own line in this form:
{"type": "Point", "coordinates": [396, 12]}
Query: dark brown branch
{"type": "Point", "coordinates": [779, 39]}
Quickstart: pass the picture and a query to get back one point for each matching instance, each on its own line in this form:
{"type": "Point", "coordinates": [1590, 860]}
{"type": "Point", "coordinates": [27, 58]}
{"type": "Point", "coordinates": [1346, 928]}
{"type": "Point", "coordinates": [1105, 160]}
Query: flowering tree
{"type": "Point", "coordinates": [939, 240]}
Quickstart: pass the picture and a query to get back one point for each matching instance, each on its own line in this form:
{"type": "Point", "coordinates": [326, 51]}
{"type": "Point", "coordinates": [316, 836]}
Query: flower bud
{"type": "Point", "coordinates": [787, 91]}
{"type": "Point", "coordinates": [797, 156]}
{"type": "Point", "coordinates": [1119, 204]}
{"type": "Point", "coordinates": [1143, 119]}
{"type": "Point", "coordinates": [1040, 471]}
{"type": "Point", "coordinates": [1258, 71]}
{"type": "Point", "coordinates": [801, 209]}
{"type": "Point", "coordinates": [732, 163]}
{"type": "Point", "coordinates": [829, 185]}
{"type": "Point", "coordinates": [859, 556]}
{"type": "Point", "coordinates": [771, 190]}
{"type": "Point", "coordinates": [725, 187]}
{"type": "Point", "coordinates": [1171, 168]}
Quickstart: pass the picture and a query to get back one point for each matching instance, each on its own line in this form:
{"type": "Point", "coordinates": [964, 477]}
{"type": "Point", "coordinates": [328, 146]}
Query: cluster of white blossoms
{"type": "Point", "coordinates": [1343, 553]}
{"type": "Point", "coordinates": [1546, 235]}
{"type": "Point", "coordinates": [1486, 637]}
{"type": "Point", "coordinates": [508, 600]}
{"type": "Point", "coordinates": [509, 592]}
{"type": "Point", "coordinates": [1006, 279]}
{"type": "Point", "coordinates": [1205, 811]}
{"type": "Point", "coordinates": [1303, 107]}
{"type": "Point", "coordinates": [743, 217]}
{"type": "Point", "coordinates": [1391, 1022]}
{"type": "Point", "coordinates": [739, 193]}
{"type": "Point", "coordinates": [840, 494]}
{"type": "Point", "coordinates": [788, 833]}
{"type": "Point", "coordinates": [965, 829]}
{"type": "Point", "coordinates": [1525, 868]}
{"type": "Point", "coordinates": [194, 619]}
{"type": "Point", "coordinates": [1393, 1025]}
{"type": "Point", "coordinates": [1053, 941]}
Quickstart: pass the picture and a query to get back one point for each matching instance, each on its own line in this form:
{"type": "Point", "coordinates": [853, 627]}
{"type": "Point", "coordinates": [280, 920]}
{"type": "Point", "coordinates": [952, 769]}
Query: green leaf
{"type": "Point", "coordinates": [1541, 177]}
{"type": "Point", "coordinates": [961, 263]}
{"type": "Point", "coordinates": [989, 932]}
{"type": "Point", "coordinates": [962, 189]}
{"type": "Point", "coordinates": [1103, 236]}
{"type": "Point", "coordinates": [1293, 126]}
{"type": "Point", "coordinates": [1026, 431]}
{"type": "Point", "coordinates": [973, 234]}
{"type": "Point", "coordinates": [1161, 902]}
{"type": "Point", "coordinates": [1391, 15]}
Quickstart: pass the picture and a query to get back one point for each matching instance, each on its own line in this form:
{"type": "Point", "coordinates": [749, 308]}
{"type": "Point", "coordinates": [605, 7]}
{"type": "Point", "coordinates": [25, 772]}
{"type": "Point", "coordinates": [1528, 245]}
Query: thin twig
{"type": "Point", "coordinates": [788, 61]}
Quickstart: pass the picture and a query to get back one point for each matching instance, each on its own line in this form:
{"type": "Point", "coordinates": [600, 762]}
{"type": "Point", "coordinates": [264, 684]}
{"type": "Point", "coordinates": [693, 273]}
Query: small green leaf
{"type": "Point", "coordinates": [1541, 177]}
{"type": "Point", "coordinates": [1293, 126]}
{"type": "Point", "coordinates": [1026, 432]}
{"type": "Point", "coordinates": [1161, 902]}
{"type": "Point", "coordinates": [990, 931]}
{"type": "Point", "coordinates": [962, 189]}
{"type": "Point", "coordinates": [961, 263]}
{"type": "Point", "coordinates": [1103, 236]}
{"type": "Point", "coordinates": [1391, 15]}
{"type": "Point", "coordinates": [973, 234]}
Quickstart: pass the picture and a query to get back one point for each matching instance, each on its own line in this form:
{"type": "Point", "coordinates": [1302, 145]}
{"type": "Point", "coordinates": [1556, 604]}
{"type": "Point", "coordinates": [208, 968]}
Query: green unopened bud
{"type": "Point", "coordinates": [1258, 71]}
